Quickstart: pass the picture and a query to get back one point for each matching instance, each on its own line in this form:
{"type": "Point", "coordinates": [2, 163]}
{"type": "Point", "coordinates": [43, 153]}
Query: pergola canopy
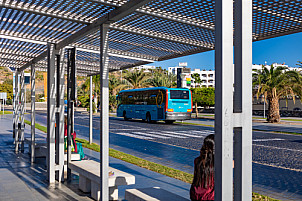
{"type": "Point", "coordinates": [141, 32]}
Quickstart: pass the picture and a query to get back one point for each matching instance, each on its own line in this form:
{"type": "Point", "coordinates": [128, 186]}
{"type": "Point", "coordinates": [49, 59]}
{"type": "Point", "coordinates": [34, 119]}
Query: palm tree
{"type": "Point", "coordinates": [162, 78]}
{"type": "Point", "coordinates": [134, 79]}
{"type": "Point", "coordinates": [276, 83]}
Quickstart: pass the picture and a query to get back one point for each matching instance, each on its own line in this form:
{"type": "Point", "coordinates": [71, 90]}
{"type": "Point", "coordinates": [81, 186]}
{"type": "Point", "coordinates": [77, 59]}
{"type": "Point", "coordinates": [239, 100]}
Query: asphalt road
{"type": "Point", "coordinates": [277, 158]}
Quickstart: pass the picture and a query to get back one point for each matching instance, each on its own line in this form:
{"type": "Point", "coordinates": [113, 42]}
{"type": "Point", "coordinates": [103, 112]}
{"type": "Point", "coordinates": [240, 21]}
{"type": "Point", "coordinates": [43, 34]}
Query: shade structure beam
{"type": "Point", "coordinates": [71, 65]}
{"type": "Point", "coordinates": [17, 99]}
{"type": "Point", "coordinates": [42, 12]}
{"type": "Point", "coordinates": [243, 100]}
{"type": "Point", "coordinates": [60, 87]}
{"type": "Point", "coordinates": [22, 86]}
{"type": "Point", "coordinates": [113, 16]}
{"type": "Point", "coordinates": [104, 114]}
{"type": "Point", "coordinates": [51, 113]}
{"type": "Point", "coordinates": [223, 100]}
{"type": "Point", "coordinates": [33, 113]}
{"type": "Point", "coordinates": [90, 112]}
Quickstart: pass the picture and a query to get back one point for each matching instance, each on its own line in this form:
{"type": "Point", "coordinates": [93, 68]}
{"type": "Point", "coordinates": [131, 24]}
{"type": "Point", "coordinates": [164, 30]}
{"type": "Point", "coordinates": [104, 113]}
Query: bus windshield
{"type": "Point", "coordinates": [179, 94]}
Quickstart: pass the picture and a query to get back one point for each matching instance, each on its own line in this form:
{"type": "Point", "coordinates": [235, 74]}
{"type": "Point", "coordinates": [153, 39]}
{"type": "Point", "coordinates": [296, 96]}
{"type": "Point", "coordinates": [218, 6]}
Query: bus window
{"type": "Point", "coordinates": [179, 94]}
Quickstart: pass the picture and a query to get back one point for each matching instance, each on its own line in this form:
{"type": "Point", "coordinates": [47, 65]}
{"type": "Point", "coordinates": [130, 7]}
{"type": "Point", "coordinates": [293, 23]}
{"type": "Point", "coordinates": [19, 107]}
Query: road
{"type": "Point", "coordinates": [277, 158]}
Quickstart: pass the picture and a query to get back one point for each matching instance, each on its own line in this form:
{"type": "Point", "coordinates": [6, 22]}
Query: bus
{"type": "Point", "coordinates": [155, 104]}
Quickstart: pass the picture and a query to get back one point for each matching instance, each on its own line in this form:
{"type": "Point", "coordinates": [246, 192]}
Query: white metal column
{"type": "Point", "coordinates": [90, 113]}
{"type": "Point", "coordinates": [51, 112]}
{"type": "Point", "coordinates": [33, 118]}
{"type": "Point", "coordinates": [60, 68]}
{"type": "Point", "coordinates": [104, 138]}
{"type": "Point", "coordinates": [16, 111]}
{"type": "Point", "coordinates": [243, 100]}
{"type": "Point", "coordinates": [223, 100]}
{"type": "Point", "coordinates": [22, 110]}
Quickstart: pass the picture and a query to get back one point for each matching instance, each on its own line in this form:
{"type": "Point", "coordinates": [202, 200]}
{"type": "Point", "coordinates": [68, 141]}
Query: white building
{"type": "Point", "coordinates": [207, 77]}
{"type": "Point", "coordinates": [145, 68]}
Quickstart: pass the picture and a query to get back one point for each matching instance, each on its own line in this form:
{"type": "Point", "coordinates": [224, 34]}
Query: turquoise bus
{"type": "Point", "coordinates": [155, 104]}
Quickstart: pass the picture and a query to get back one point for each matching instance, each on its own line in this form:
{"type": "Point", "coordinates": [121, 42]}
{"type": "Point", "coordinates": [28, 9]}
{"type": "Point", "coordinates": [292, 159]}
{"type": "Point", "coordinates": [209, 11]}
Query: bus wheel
{"type": "Point", "coordinates": [148, 118]}
{"type": "Point", "coordinates": [169, 121]}
{"type": "Point", "coordinates": [124, 115]}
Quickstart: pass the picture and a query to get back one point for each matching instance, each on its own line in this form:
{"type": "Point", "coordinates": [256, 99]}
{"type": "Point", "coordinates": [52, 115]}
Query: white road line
{"type": "Point", "coordinates": [135, 136]}
{"type": "Point", "coordinates": [151, 135]}
{"type": "Point", "coordinates": [170, 135]}
{"type": "Point", "coordinates": [185, 134]}
{"type": "Point", "coordinates": [260, 145]}
{"type": "Point", "coordinates": [204, 131]}
{"type": "Point", "coordinates": [265, 140]}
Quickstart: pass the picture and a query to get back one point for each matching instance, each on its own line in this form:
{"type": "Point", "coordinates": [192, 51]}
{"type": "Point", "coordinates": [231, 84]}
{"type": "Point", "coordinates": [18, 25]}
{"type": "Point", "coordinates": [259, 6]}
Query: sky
{"type": "Point", "coordinates": [284, 49]}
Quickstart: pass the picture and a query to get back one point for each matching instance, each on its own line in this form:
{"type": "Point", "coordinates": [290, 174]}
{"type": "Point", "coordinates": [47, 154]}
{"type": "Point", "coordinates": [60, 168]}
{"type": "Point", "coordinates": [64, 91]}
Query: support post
{"type": "Point", "coordinates": [51, 112]}
{"type": "Point", "coordinates": [14, 105]}
{"type": "Point", "coordinates": [223, 100]}
{"type": "Point", "coordinates": [16, 111]}
{"type": "Point", "coordinates": [243, 100]}
{"type": "Point", "coordinates": [22, 110]}
{"type": "Point", "coordinates": [90, 112]}
{"type": "Point", "coordinates": [60, 88]}
{"type": "Point", "coordinates": [33, 118]}
{"type": "Point", "coordinates": [70, 104]}
{"type": "Point", "coordinates": [104, 116]}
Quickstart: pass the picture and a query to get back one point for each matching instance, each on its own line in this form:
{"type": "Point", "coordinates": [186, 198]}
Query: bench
{"type": "Point", "coordinates": [89, 178]}
{"type": "Point", "coordinates": [151, 194]}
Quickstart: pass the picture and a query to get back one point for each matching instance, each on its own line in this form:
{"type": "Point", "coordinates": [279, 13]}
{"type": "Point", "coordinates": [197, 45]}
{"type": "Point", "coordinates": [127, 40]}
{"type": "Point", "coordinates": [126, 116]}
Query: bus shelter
{"type": "Point", "coordinates": [88, 37]}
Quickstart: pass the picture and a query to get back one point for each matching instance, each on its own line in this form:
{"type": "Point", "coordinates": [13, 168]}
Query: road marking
{"type": "Point", "coordinates": [151, 135]}
{"type": "Point", "coordinates": [135, 136]}
{"type": "Point", "coordinates": [165, 134]}
{"type": "Point", "coordinates": [189, 135]}
{"type": "Point", "coordinates": [265, 140]}
{"type": "Point", "coordinates": [204, 132]}
{"type": "Point", "coordinates": [126, 129]}
{"type": "Point", "coordinates": [260, 145]}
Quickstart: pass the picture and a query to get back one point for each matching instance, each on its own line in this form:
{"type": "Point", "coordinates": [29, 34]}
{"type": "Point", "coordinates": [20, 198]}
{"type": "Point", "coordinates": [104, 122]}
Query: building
{"type": "Point", "coordinates": [145, 68]}
{"type": "Point", "coordinates": [207, 77]}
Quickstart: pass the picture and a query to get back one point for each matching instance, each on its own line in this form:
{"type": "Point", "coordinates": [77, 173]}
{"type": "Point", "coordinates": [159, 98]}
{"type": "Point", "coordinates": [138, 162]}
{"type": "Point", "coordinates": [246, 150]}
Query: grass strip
{"type": "Point", "coordinates": [170, 172]}
{"type": "Point", "coordinates": [196, 124]}
{"type": "Point", "coordinates": [164, 170]}
{"type": "Point", "coordinates": [37, 126]}
{"type": "Point", "coordinates": [6, 112]}
{"type": "Point", "coordinates": [281, 132]}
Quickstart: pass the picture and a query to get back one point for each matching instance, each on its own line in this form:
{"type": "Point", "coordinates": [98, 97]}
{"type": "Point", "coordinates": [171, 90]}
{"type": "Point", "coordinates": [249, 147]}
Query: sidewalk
{"type": "Point", "coordinates": [19, 180]}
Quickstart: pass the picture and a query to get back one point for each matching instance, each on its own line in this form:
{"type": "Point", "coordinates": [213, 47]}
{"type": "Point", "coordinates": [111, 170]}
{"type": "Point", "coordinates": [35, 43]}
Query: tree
{"type": "Point", "coordinates": [196, 78]}
{"type": "Point", "coordinates": [134, 79]}
{"type": "Point", "coordinates": [161, 78]}
{"type": "Point", "coordinates": [204, 97]}
{"type": "Point", "coordinates": [276, 83]}
{"type": "Point", "coordinates": [7, 86]}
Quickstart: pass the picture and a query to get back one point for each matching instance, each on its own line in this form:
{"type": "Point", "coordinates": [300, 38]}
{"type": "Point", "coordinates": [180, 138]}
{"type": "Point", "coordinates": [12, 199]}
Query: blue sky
{"type": "Point", "coordinates": [284, 49]}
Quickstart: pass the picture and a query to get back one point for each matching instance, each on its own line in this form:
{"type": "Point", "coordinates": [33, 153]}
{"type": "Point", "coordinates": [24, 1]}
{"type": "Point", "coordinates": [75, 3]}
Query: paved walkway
{"type": "Point", "coordinates": [20, 180]}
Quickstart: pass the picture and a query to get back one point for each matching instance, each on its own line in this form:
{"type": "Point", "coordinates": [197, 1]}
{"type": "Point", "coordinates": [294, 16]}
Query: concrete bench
{"type": "Point", "coordinates": [89, 178]}
{"type": "Point", "coordinates": [151, 194]}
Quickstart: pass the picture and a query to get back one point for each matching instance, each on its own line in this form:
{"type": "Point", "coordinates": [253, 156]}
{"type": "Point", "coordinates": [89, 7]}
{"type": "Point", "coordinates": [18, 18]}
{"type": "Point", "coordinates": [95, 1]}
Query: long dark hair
{"type": "Point", "coordinates": [204, 164]}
